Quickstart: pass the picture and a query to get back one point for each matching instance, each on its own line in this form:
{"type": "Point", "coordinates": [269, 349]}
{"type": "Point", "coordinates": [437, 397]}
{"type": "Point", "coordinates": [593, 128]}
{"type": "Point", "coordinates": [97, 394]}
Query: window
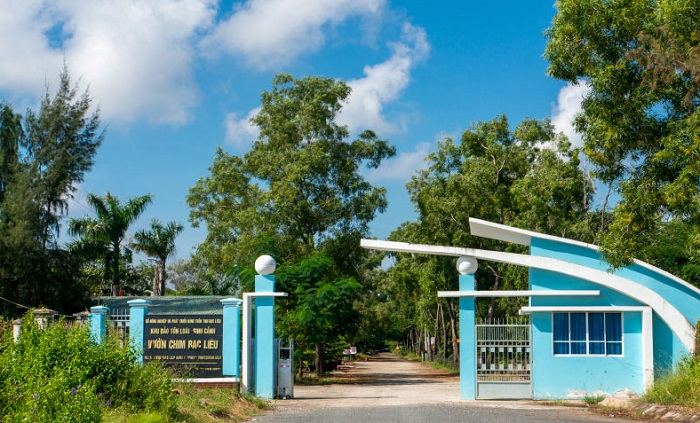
{"type": "Point", "coordinates": [587, 333]}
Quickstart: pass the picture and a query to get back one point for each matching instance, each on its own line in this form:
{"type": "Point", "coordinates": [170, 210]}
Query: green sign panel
{"type": "Point", "coordinates": [192, 343]}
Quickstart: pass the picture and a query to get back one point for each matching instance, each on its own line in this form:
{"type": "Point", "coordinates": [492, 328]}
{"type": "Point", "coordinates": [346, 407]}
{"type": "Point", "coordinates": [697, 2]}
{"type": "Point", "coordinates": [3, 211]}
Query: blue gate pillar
{"type": "Point", "coordinates": [98, 323]}
{"type": "Point", "coordinates": [231, 341]}
{"type": "Point", "coordinates": [264, 361]}
{"type": "Point", "coordinates": [137, 319]}
{"type": "Point", "coordinates": [467, 324]}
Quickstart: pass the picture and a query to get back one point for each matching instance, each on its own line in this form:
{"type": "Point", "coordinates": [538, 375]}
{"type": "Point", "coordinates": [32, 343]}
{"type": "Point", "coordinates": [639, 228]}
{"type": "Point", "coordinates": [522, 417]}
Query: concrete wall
{"type": "Point", "coordinates": [607, 374]}
{"type": "Point", "coordinates": [576, 376]}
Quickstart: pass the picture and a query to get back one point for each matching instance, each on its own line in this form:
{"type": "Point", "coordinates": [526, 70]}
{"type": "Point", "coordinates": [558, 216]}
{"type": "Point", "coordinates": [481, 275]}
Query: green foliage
{"type": "Point", "coordinates": [679, 387]}
{"type": "Point", "coordinates": [100, 238]}
{"type": "Point", "coordinates": [320, 307]}
{"type": "Point", "coordinates": [43, 155]}
{"type": "Point", "coordinates": [299, 186]}
{"type": "Point", "coordinates": [158, 243]}
{"type": "Point", "coordinates": [528, 177]}
{"type": "Point", "coordinates": [593, 399]}
{"type": "Point", "coordinates": [300, 196]}
{"type": "Point", "coordinates": [61, 375]}
{"type": "Point", "coordinates": [639, 120]}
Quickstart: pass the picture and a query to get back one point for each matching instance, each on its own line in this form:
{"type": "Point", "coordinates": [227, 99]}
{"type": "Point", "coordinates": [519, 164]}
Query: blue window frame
{"type": "Point", "coordinates": [587, 333]}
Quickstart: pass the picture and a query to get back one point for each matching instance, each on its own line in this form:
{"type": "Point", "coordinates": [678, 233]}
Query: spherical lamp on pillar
{"type": "Point", "coordinates": [265, 265]}
{"type": "Point", "coordinates": [264, 350]}
{"type": "Point", "coordinates": [467, 319]}
{"type": "Point", "coordinates": [467, 265]}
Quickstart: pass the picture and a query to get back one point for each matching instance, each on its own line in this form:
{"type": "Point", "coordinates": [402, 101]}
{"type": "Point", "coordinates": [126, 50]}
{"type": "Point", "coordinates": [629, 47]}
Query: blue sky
{"type": "Point", "coordinates": [175, 79]}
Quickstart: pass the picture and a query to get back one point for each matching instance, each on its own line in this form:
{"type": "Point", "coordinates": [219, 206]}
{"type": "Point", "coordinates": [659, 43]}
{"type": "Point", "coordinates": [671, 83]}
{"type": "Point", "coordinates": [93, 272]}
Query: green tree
{"type": "Point", "coordinates": [42, 157]}
{"type": "Point", "coordinates": [102, 236]}
{"type": "Point", "coordinates": [11, 133]}
{"type": "Point", "coordinates": [158, 243]}
{"type": "Point", "coordinates": [640, 120]}
{"type": "Point", "coordinates": [298, 191]}
{"type": "Point", "coordinates": [528, 177]}
{"type": "Point", "coordinates": [320, 302]}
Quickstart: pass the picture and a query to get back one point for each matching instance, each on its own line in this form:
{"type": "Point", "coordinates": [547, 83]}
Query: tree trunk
{"type": "Point", "coordinates": [492, 304]}
{"type": "Point", "coordinates": [300, 374]}
{"type": "Point", "coordinates": [318, 353]}
{"type": "Point", "coordinates": [437, 329]}
{"type": "Point", "coordinates": [115, 272]}
{"type": "Point", "coordinates": [444, 335]}
{"type": "Point", "coordinates": [455, 344]}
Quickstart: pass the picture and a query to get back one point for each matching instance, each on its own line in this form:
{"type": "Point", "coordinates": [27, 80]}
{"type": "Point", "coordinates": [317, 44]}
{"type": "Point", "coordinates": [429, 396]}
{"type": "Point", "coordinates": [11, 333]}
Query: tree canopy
{"type": "Point", "coordinates": [298, 195]}
{"type": "Point", "coordinates": [43, 155]}
{"type": "Point", "coordinates": [158, 243]}
{"type": "Point", "coordinates": [640, 119]}
{"type": "Point", "coordinates": [527, 177]}
{"type": "Point", "coordinates": [299, 186]}
{"type": "Point", "coordinates": [101, 237]}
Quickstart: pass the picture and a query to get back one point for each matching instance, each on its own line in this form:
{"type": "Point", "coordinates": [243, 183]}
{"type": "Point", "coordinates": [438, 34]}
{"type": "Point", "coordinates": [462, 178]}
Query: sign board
{"type": "Point", "coordinates": [190, 342]}
{"type": "Point", "coordinates": [350, 351]}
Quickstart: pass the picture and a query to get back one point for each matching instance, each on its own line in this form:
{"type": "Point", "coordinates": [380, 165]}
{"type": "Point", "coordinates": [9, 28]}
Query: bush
{"type": "Point", "coordinates": [62, 375]}
{"type": "Point", "coordinates": [680, 387]}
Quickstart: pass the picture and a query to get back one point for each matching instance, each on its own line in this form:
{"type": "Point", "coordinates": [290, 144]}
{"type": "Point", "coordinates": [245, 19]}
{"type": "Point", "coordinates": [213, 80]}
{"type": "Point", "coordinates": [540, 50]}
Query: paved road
{"type": "Point", "coordinates": [390, 389]}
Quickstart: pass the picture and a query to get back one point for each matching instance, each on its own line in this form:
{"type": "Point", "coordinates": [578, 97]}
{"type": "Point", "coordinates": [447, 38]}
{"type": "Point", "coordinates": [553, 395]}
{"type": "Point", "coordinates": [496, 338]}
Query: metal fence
{"type": "Point", "coordinates": [118, 324]}
{"type": "Point", "coordinates": [503, 350]}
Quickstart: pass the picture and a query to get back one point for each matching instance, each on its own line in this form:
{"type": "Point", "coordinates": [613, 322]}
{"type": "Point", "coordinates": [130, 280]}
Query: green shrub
{"type": "Point", "coordinates": [62, 375]}
{"type": "Point", "coordinates": [680, 387]}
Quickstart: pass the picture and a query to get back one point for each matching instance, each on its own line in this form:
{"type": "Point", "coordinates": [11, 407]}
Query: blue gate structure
{"type": "Point", "coordinates": [608, 331]}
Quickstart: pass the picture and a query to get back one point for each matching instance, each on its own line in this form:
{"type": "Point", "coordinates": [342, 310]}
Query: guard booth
{"type": "Point", "coordinates": [285, 370]}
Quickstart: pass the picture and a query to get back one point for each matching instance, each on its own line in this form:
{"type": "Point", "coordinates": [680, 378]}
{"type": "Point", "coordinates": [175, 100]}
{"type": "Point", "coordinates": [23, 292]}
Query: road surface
{"type": "Point", "coordinates": [388, 388]}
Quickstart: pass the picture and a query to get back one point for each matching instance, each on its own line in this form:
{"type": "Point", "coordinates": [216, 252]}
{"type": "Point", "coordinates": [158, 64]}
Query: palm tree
{"type": "Point", "coordinates": [102, 236]}
{"type": "Point", "coordinates": [158, 243]}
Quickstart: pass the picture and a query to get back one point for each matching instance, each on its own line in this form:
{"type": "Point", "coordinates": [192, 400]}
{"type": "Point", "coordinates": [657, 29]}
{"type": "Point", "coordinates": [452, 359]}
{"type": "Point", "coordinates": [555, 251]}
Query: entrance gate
{"type": "Point", "coordinates": [503, 354]}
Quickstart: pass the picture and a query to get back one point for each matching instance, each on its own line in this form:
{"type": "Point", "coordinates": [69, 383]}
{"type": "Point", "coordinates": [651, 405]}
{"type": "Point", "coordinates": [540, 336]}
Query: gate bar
{"type": "Point", "coordinates": [522, 293]}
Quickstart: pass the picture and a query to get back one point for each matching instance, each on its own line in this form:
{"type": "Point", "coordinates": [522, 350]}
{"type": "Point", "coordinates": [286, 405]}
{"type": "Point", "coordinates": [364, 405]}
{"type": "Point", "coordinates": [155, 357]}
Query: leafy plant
{"type": "Point", "coordinates": [56, 374]}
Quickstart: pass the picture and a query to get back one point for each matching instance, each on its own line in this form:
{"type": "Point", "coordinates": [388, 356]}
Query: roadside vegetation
{"type": "Point", "coordinates": [59, 374]}
{"type": "Point", "coordinates": [679, 387]}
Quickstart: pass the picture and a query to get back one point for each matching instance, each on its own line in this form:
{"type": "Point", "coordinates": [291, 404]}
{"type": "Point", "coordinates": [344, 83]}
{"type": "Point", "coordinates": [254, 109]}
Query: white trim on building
{"type": "Point", "coordinates": [675, 320]}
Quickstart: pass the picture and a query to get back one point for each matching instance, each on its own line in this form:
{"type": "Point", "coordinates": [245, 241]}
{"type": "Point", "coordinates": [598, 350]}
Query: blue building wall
{"type": "Point", "coordinates": [668, 348]}
{"type": "Point", "coordinates": [557, 377]}
{"type": "Point", "coordinates": [584, 375]}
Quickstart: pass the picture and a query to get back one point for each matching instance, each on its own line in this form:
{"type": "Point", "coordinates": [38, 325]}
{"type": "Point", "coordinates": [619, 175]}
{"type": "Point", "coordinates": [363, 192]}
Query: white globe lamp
{"type": "Point", "coordinates": [265, 265]}
{"type": "Point", "coordinates": [467, 265]}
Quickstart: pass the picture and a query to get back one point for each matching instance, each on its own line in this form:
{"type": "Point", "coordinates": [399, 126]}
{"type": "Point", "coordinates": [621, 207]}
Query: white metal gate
{"type": "Point", "coordinates": [503, 359]}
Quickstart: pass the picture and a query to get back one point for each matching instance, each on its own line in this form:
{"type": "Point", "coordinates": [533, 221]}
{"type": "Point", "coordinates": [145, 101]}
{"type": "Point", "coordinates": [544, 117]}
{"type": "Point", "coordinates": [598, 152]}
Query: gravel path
{"type": "Point", "coordinates": [390, 389]}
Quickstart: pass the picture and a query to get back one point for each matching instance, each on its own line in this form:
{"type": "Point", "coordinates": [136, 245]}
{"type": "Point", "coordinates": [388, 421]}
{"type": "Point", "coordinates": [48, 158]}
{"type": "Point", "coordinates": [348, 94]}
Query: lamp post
{"type": "Point", "coordinates": [258, 374]}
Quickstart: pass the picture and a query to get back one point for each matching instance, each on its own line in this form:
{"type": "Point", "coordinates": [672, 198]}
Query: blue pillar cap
{"type": "Point", "coordinates": [99, 310]}
{"type": "Point", "coordinates": [139, 303]}
{"type": "Point", "coordinates": [231, 301]}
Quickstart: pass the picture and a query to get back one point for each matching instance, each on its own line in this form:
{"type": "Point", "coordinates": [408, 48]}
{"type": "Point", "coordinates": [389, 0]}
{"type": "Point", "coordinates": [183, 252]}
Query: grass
{"type": "Point", "coordinates": [593, 399]}
{"type": "Point", "coordinates": [680, 387]}
{"type": "Point", "coordinates": [198, 405]}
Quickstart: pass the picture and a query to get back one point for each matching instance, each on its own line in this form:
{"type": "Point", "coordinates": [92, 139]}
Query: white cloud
{"type": "Point", "coordinates": [271, 33]}
{"type": "Point", "coordinates": [240, 132]}
{"type": "Point", "coordinates": [26, 60]}
{"type": "Point", "coordinates": [402, 167]}
{"type": "Point", "coordinates": [136, 55]}
{"type": "Point", "coordinates": [567, 107]}
{"type": "Point", "coordinates": [383, 83]}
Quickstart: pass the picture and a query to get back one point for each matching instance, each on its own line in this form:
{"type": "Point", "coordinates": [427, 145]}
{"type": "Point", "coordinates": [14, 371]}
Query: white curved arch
{"type": "Point", "coordinates": [668, 313]}
{"type": "Point", "coordinates": [491, 230]}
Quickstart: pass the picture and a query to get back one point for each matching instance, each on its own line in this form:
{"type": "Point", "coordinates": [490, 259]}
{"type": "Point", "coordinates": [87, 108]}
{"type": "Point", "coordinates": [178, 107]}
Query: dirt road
{"type": "Point", "coordinates": [388, 388]}
{"type": "Point", "coordinates": [386, 379]}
